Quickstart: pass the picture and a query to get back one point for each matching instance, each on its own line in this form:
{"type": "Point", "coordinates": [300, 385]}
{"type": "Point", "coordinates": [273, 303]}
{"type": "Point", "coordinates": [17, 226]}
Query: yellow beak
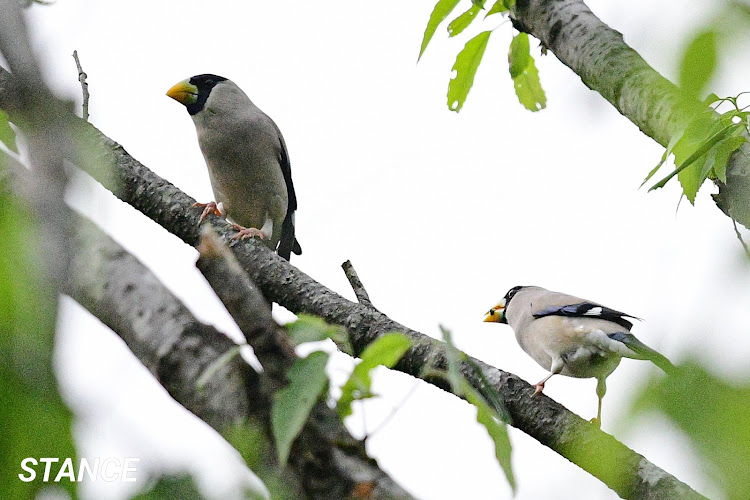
{"type": "Point", "coordinates": [184, 92]}
{"type": "Point", "coordinates": [495, 315]}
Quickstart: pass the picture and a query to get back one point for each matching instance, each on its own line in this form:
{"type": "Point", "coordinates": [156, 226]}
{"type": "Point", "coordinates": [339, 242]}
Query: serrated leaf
{"type": "Point", "coordinates": [497, 8]}
{"type": "Point", "coordinates": [529, 89]}
{"type": "Point", "coordinates": [386, 350]}
{"type": "Point", "coordinates": [497, 430]}
{"type": "Point", "coordinates": [698, 62]}
{"type": "Point", "coordinates": [442, 10]}
{"type": "Point", "coordinates": [465, 67]}
{"type": "Point", "coordinates": [463, 21]}
{"type": "Point", "coordinates": [519, 54]}
{"type": "Point", "coordinates": [688, 170]}
{"type": "Point", "coordinates": [292, 404]}
{"type": "Point", "coordinates": [525, 75]}
{"type": "Point", "coordinates": [676, 137]}
{"type": "Point", "coordinates": [721, 154]}
{"type": "Point", "coordinates": [7, 134]}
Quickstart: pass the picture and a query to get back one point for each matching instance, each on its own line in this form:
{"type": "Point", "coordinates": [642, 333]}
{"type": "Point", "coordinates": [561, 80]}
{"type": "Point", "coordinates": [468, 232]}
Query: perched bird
{"type": "Point", "coordinates": [571, 336]}
{"type": "Point", "coordinates": [247, 161]}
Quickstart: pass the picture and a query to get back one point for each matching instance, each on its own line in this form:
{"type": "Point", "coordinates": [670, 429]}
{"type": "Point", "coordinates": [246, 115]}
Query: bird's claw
{"type": "Point", "coordinates": [247, 232]}
{"type": "Point", "coordinates": [596, 421]}
{"type": "Point", "coordinates": [208, 208]}
{"type": "Point", "coordinates": [538, 388]}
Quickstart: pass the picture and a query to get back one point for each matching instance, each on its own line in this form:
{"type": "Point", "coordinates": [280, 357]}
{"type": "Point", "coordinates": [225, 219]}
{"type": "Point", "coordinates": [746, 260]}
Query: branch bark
{"type": "Point", "coordinates": [606, 64]}
{"type": "Point", "coordinates": [626, 472]}
{"type": "Point", "coordinates": [325, 462]}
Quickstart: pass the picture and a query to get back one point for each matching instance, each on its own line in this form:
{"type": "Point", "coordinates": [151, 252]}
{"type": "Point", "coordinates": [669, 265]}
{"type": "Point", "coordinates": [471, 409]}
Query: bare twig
{"type": "Point", "coordinates": [356, 283]}
{"type": "Point", "coordinates": [84, 87]}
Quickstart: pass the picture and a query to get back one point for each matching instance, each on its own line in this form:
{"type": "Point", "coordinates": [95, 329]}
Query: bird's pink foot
{"type": "Point", "coordinates": [208, 208]}
{"type": "Point", "coordinates": [247, 232]}
{"type": "Point", "coordinates": [538, 388]}
{"type": "Point", "coordinates": [596, 422]}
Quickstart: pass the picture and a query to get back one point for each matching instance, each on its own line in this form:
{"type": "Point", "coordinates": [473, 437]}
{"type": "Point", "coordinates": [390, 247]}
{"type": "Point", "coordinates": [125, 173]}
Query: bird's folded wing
{"type": "Point", "coordinates": [588, 310]}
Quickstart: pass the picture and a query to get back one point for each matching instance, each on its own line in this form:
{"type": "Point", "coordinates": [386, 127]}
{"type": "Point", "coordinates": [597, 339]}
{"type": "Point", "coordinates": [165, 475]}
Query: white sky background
{"type": "Point", "coordinates": [440, 213]}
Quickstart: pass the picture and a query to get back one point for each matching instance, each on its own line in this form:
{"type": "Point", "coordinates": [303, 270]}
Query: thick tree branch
{"type": "Point", "coordinates": [628, 473]}
{"type": "Point", "coordinates": [329, 461]}
{"type": "Point", "coordinates": [606, 64]}
{"type": "Point", "coordinates": [179, 350]}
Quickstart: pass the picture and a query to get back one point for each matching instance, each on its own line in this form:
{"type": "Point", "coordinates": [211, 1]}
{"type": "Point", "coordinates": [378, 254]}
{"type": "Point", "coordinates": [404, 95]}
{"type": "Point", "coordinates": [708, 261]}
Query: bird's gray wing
{"type": "Point", "coordinates": [588, 310]}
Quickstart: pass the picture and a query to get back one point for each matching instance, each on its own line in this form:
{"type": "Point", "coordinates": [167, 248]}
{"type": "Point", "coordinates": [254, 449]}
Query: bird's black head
{"type": "Point", "coordinates": [204, 83]}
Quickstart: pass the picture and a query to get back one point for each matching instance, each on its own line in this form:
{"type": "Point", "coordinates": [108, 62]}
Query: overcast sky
{"type": "Point", "coordinates": [440, 213]}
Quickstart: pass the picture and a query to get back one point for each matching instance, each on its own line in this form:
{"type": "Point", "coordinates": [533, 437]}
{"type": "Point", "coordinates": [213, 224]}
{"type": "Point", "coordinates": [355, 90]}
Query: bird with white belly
{"type": "Point", "coordinates": [571, 336]}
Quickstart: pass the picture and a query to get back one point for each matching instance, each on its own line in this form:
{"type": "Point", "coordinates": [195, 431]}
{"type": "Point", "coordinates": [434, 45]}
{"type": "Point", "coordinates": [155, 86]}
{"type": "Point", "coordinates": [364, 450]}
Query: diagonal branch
{"type": "Point", "coordinates": [606, 64]}
{"type": "Point", "coordinates": [179, 350]}
{"type": "Point", "coordinates": [328, 460]}
{"type": "Point", "coordinates": [626, 472]}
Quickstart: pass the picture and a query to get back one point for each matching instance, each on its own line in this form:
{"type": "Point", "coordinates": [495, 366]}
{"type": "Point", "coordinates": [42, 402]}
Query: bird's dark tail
{"type": "Point", "coordinates": [643, 351]}
{"type": "Point", "coordinates": [288, 242]}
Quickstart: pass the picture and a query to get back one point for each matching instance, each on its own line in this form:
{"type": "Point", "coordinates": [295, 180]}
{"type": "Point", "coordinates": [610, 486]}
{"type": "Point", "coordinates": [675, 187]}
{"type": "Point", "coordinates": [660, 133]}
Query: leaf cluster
{"type": "Point", "coordinates": [522, 67]}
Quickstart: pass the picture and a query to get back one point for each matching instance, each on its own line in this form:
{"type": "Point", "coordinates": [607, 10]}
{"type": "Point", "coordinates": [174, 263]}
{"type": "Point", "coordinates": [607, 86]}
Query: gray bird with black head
{"type": "Point", "coordinates": [247, 161]}
{"type": "Point", "coordinates": [571, 336]}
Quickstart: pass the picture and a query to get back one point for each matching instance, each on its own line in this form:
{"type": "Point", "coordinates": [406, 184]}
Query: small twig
{"type": "Point", "coordinates": [357, 286]}
{"type": "Point", "coordinates": [84, 87]}
{"type": "Point", "coordinates": [739, 237]}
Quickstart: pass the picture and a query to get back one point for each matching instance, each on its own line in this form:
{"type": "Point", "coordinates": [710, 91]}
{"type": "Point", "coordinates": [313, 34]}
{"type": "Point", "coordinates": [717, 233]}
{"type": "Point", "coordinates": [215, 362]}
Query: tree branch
{"type": "Point", "coordinates": [606, 64]}
{"type": "Point", "coordinates": [84, 87]}
{"type": "Point", "coordinates": [628, 473]}
{"type": "Point", "coordinates": [359, 289]}
{"type": "Point", "coordinates": [326, 461]}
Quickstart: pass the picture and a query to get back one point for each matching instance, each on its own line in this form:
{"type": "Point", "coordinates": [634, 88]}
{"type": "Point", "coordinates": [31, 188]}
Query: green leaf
{"type": "Point", "coordinates": [525, 75]}
{"type": "Point", "coordinates": [442, 10]}
{"type": "Point", "coordinates": [7, 134]}
{"type": "Point", "coordinates": [292, 404]}
{"type": "Point", "coordinates": [182, 487]}
{"type": "Point", "coordinates": [519, 54]}
{"type": "Point", "coordinates": [497, 430]}
{"type": "Point", "coordinates": [34, 420]}
{"type": "Point", "coordinates": [668, 151]}
{"type": "Point", "coordinates": [689, 169]}
{"type": "Point", "coordinates": [497, 7]}
{"type": "Point", "coordinates": [463, 21]}
{"type": "Point", "coordinates": [465, 67]}
{"type": "Point", "coordinates": [698, 62]}
{"type": "Point", "coordinates": [386, 350]}
{"type": "Point", "coordinates": [710, 99]}
{"type": "Point", "coordinates": [310, 328]}
{"type": "Point", "coordinates": [452, 357]}
{"type": "Point", "coordinates": [712, 413]}
{"type": "Point", "coordinates": [720, 156]}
